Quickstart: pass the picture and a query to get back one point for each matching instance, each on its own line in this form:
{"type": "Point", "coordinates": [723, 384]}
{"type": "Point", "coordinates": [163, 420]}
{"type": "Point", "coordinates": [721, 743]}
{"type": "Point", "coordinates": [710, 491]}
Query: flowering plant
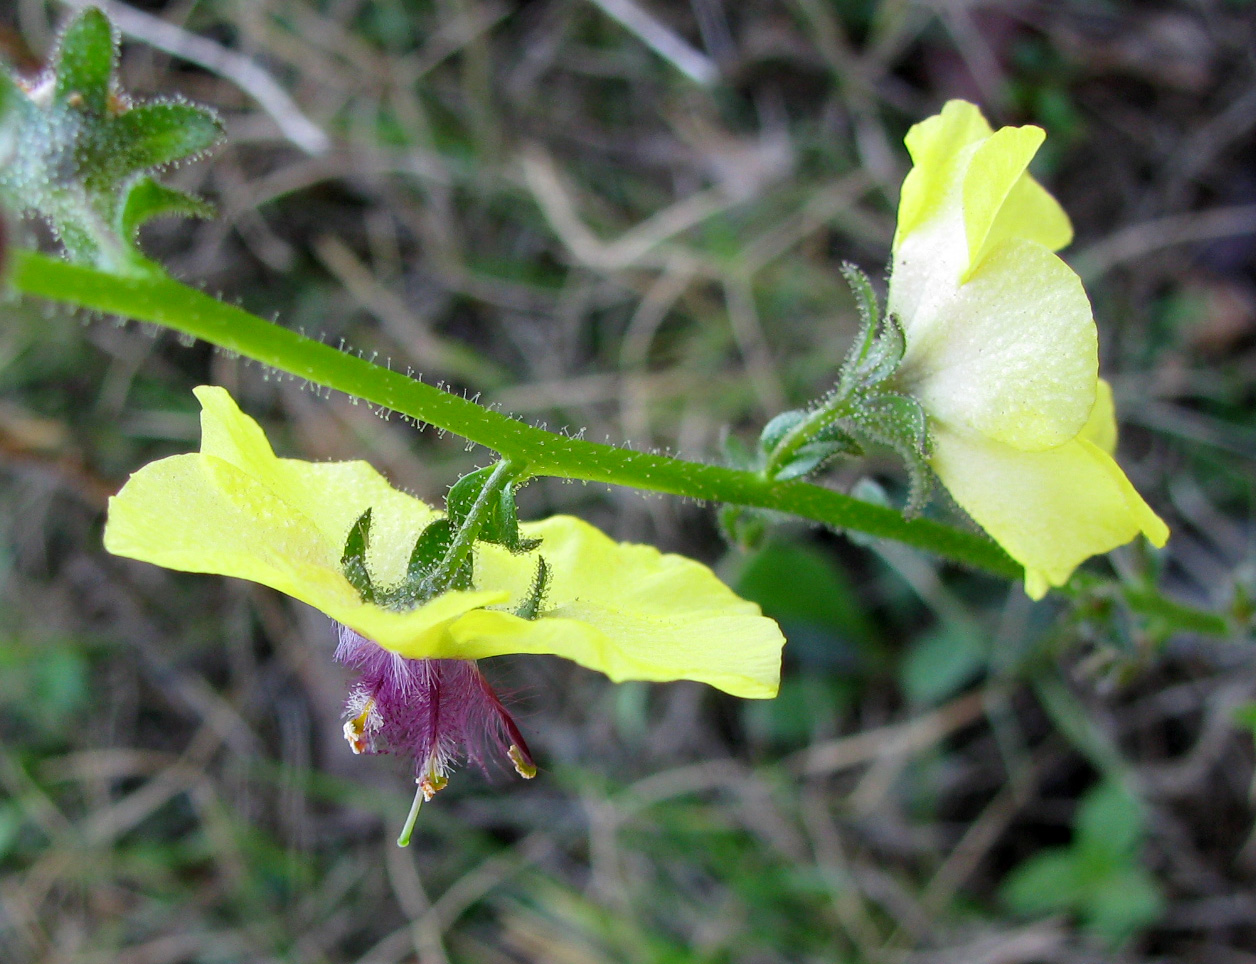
{"type": "Point", "coordinates": [981, 373]}
{"type": "Point", "coordinates": [419, 600]}
{"type": "Point", "coordinates": [1001, 351]}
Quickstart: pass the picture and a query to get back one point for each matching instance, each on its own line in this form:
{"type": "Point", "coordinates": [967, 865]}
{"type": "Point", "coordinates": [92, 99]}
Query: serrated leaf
{"type": "Point", "coordinates": [353, 559]}
{"type": "Point", "coordinates": [775, 431]}
{"type": "Point", "coordinates": [74, 157]}
{"type": "Point", "coordinates": [84, 66]}
{"type": "Point", "coordinates": [148, 199]}
{"type": "Point", "coordinates": [808, 459]}
{"type": "Point", "coordinates": [154, 134]}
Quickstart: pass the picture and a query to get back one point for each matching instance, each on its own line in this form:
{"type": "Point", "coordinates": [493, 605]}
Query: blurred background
{"type": "Point", "coordinates": [624, 218]}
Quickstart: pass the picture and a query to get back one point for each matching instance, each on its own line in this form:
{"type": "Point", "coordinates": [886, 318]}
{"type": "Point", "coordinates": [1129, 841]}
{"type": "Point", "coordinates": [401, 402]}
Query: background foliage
{"type": "Point", "coordinates": [525, 202]}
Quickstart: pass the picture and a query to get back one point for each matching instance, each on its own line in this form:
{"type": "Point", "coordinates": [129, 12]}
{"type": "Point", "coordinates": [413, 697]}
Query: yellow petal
{"type": "Point", "coordinates": [967, 193]}
{"type": "Point", "coordinates": [628, 611]}
{"type": "Point", "coordinates": [1100, 428]}
{"type": "Point", "coordinates": [994, 171]}
{"type": "Point", "coordinates": [198, 513]}
{"type": "Point", "coordinates": [937, 146]}
{"type": "Point", "coordinates": [1012, 354]}
{"type": "Point", "coordinates": [329, 495]}
{"type": "Point", "coordinates": [1031, 213]}
{"type": "Point", "coordinates": [1049, 510]}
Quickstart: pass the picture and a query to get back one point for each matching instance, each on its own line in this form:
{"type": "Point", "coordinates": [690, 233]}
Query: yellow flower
{"type": "Point", "coordinates": [629, 611]}
{"type": "Point", "coordinates": [1002, 351]}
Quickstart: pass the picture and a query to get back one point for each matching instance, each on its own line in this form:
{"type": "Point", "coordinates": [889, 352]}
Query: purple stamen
{"type": "Point", "coordinates": [438, 710]}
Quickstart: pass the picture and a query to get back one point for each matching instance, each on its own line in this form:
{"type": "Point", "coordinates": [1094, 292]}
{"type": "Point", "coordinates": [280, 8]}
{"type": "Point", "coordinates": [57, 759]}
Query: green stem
{"type": "Point", "coordinates": [166, 302]}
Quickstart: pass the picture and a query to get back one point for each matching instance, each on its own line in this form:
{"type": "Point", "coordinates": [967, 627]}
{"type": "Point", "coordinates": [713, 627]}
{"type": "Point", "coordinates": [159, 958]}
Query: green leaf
{"type": "Point", "coordinates": [353, 559]}
{"type": "Point", "coordinates": [154, 134]}
{"type": "Point", "coordinates": [803, 589]}
{"type": "Point", "coordinates": [1046, 883]}
{"type": "Point", "coordinates": [941, 662]}
{"type": "Point", "coordinates": [73, 158]}
{"type": "Point", "coordinates": [737, 454]}
{"type": "Point", "coordinates": [147, 199]}
{"type": "Point", "coordinates": [1110, 820]}
{"type": "Point", "coordinates": [84, 64]}
{"type": "Point", "coordinates": [1122, 904]}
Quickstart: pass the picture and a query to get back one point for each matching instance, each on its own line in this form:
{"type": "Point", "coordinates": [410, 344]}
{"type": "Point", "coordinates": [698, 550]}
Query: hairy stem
{"type": "Point", "coordinates": [166, 302]}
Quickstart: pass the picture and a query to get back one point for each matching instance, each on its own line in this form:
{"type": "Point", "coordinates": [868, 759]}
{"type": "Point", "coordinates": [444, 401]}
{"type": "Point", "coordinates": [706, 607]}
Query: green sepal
{"type": "Point", "coordinates": [147, 199]}
{"type": "Point", "coordinates": [533, 604]}
{"type": "Point", "coordinates": [869, 313]}
{"type": "Point", "coordinates": [878, 349]}
{"type": "Point", "coordinates": [808, 459]}
{"type": "Point", "coordinates": [501, 523]}
{"type": "Point", "coordinates": [775, 431]}
{"type": "Point", "coordinates": [898, 415]}
{"type": "Point", "coordinates": [464, 493]}
{"type": "Point", "coordinates": [154, 134]}
{"type": "Point", "coordinates": [429, 552]}
{"type": "Point", "coordinates": [506, 523]}
{"type": "Point", "coordinates": [899, 423]}
{"type": "Point", "coordinates": [84, 63]}
{"type": "Point", "coordinates": [353, 559]}
{"type": "Point", "coordinates": [886, 353]}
